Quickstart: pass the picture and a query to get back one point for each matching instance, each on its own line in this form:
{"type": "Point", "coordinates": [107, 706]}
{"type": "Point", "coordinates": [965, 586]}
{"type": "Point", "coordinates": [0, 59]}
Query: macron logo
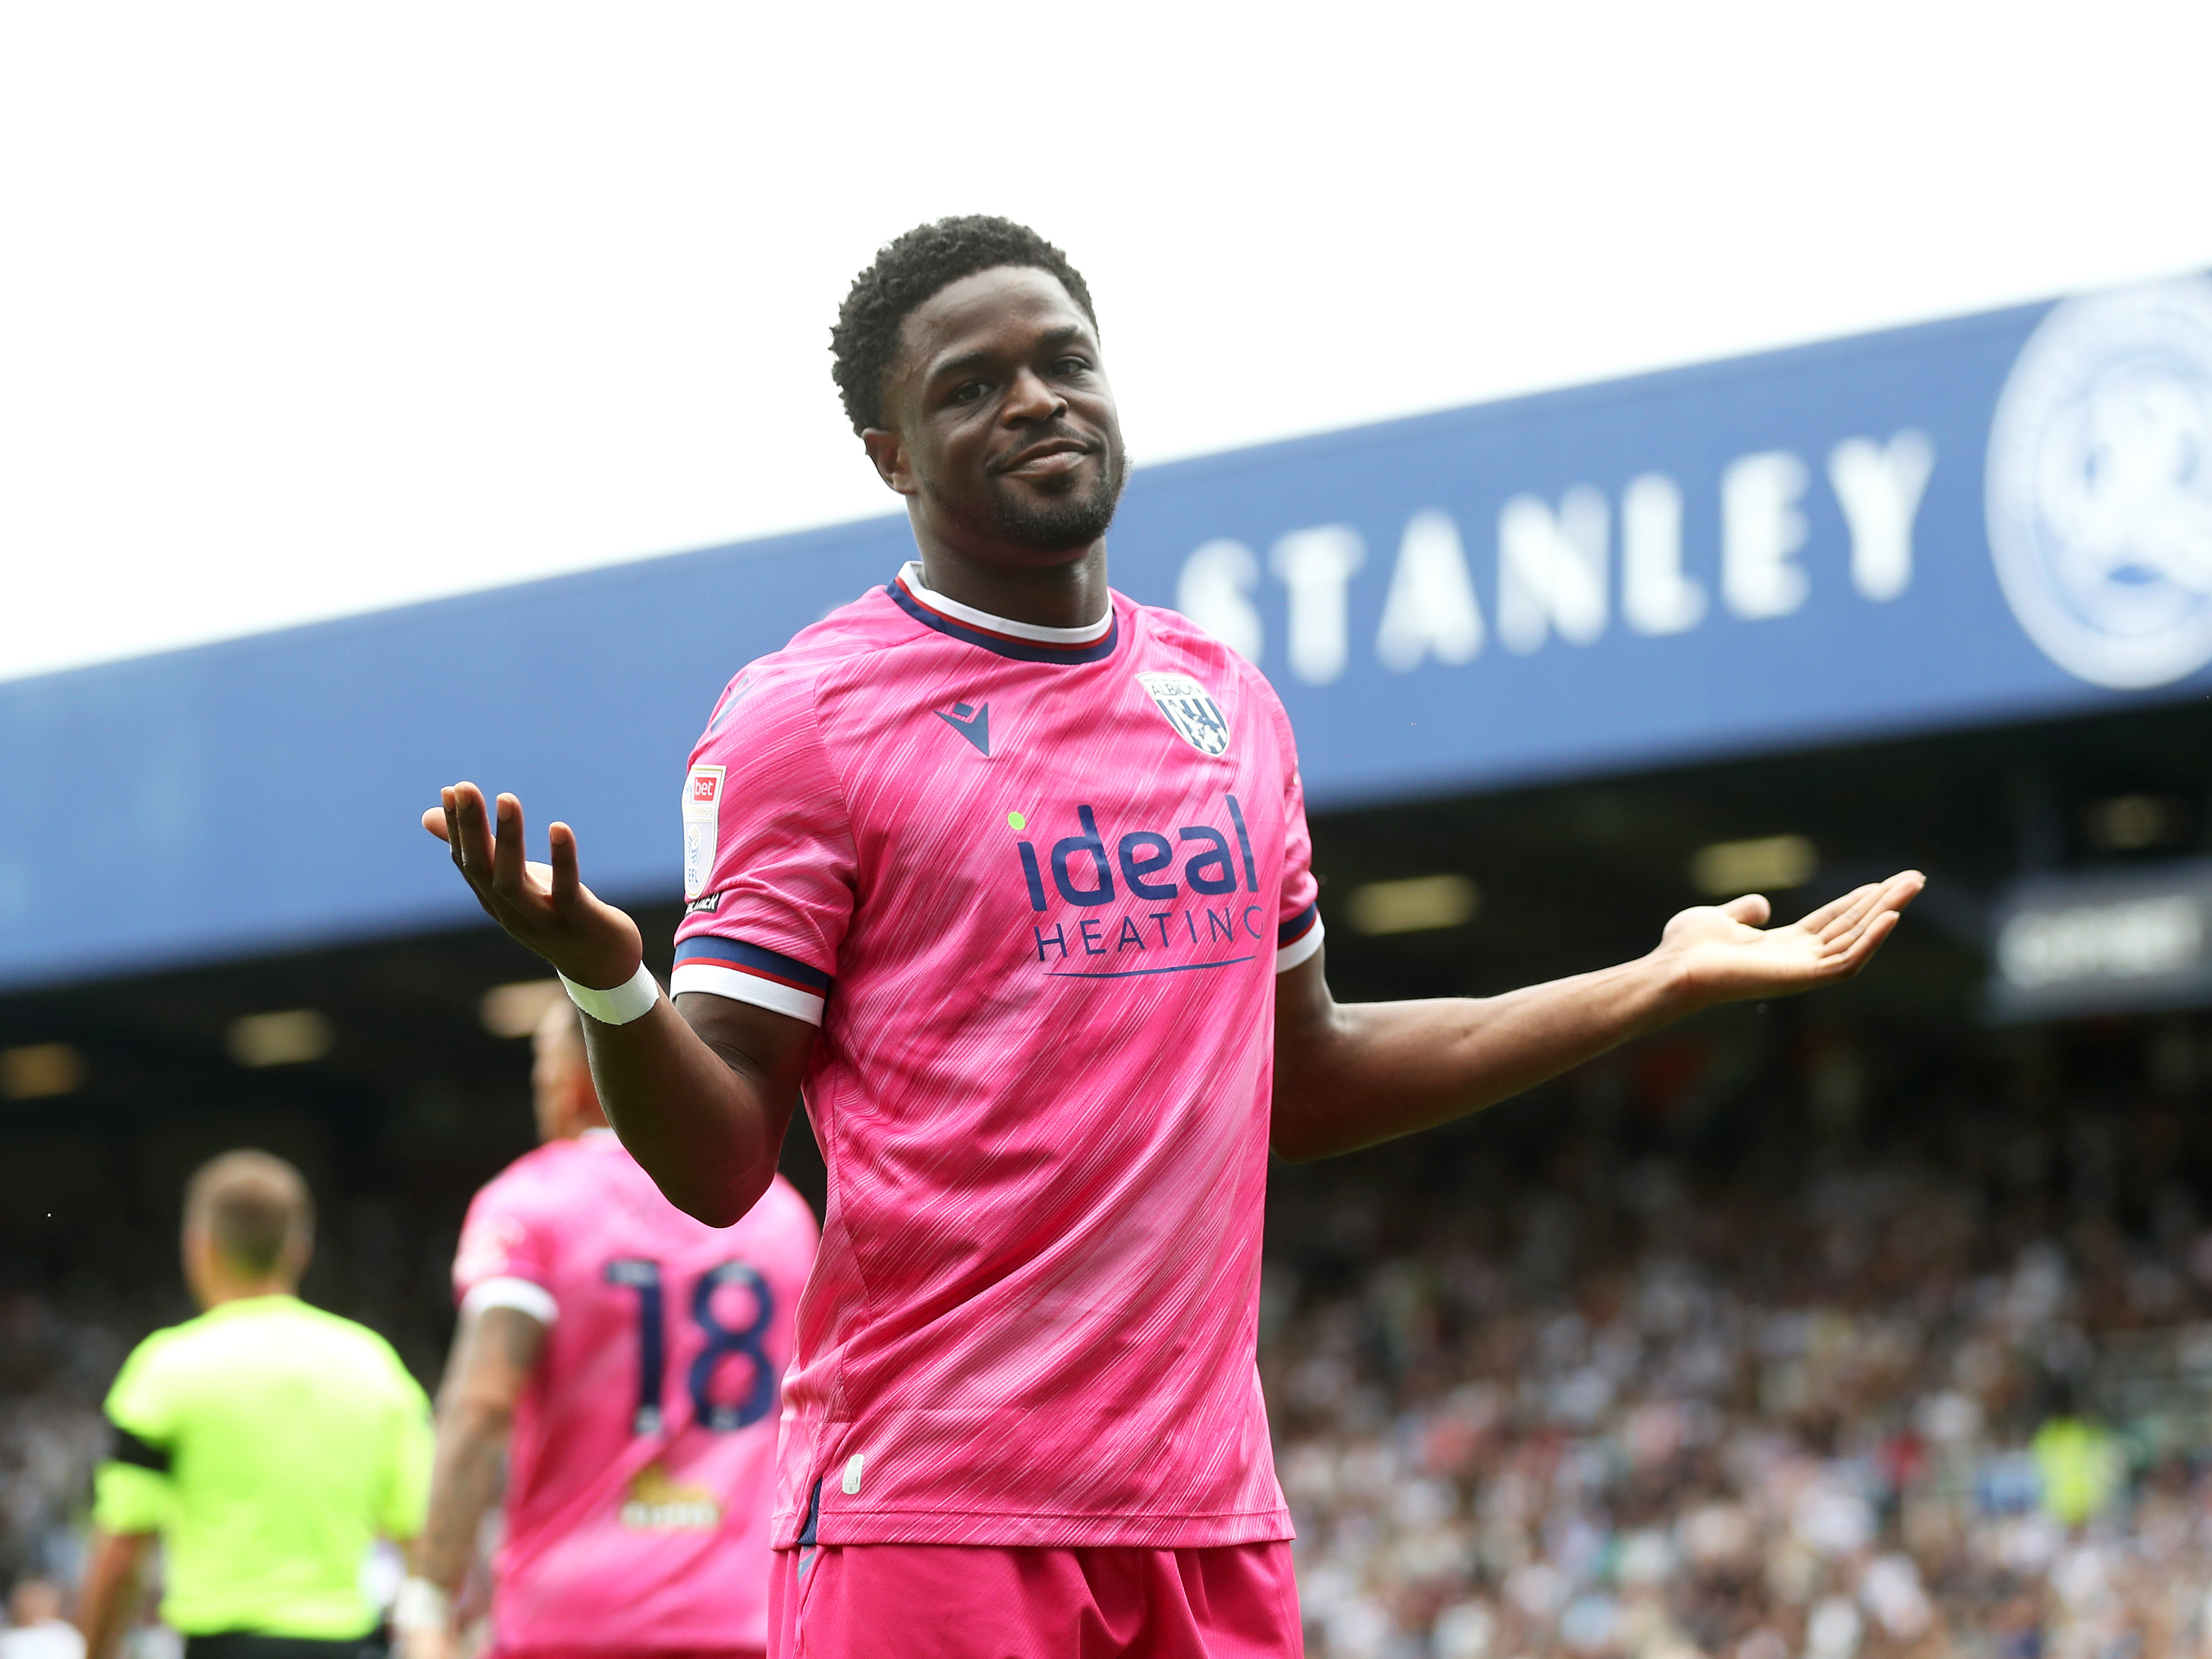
{"type": "Point", "coordinates": [972, 723]}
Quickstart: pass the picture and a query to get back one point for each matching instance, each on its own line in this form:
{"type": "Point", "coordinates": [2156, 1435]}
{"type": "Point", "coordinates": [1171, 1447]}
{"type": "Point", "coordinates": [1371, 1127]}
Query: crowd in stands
{"type": "Point", "coordinates": [1754, 1346]}
{"type": "Point", "coordinates": [1753, 1342]}
{"type": "Point", "coordinates": [53, 1373]}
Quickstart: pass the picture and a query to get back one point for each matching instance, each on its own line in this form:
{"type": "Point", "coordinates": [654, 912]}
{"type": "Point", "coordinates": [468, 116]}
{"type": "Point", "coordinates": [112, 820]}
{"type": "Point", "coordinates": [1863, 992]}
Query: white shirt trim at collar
{"type": "Point", "coordinates": [910, 575]}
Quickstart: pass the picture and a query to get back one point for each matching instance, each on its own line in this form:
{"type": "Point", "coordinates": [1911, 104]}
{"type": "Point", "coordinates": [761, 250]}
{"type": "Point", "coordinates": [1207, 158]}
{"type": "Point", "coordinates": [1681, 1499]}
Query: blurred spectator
{"type": "Point", "coordinates": [36, 1629]}
{"type": "Point", "coordinates": [2080, 1467]}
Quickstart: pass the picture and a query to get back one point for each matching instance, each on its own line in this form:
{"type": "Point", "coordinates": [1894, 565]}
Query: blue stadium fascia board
{"type": "Point", "coordinates": [263, 794]}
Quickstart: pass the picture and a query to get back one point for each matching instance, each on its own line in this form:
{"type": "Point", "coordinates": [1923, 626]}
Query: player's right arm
{"type": "Point", "coordinates": [494, 1351]}
{"type": "Point", "coordinates": [114, 1574]}
{"type": "Point", "coordinates": [700, 1090]}
{"type": "Point", "coordinates": [133, 1497]}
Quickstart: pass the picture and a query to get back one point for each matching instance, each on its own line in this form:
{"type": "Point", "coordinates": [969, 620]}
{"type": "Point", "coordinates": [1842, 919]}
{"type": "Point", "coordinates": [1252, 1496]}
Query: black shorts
{"type": "Point", "coordinates": [253, 1645]}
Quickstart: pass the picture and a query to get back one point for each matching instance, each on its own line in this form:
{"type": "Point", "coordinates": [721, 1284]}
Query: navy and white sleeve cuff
{"type": "Point", "coordinates": [747, 973]}
{"type": "Point", "coordinates": [1297, 939]}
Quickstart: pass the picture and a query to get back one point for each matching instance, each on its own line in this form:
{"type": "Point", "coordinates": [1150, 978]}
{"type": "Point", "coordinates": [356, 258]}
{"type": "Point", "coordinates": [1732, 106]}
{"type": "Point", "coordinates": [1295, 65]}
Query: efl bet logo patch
{"type": "Point", "coordinates": [702, 827]}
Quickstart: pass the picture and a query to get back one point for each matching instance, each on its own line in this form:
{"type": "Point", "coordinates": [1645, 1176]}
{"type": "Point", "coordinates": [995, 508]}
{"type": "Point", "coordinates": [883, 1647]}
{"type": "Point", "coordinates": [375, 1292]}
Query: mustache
{"type": "Point", "coordinates": [1089, 444]}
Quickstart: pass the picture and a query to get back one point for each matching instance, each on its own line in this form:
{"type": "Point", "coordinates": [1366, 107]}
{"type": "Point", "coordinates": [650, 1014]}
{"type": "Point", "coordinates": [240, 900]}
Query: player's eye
{"type": "Point", "coordinates": [968, 390]}
{"type": "Point", "coordinates": [1067, 366]}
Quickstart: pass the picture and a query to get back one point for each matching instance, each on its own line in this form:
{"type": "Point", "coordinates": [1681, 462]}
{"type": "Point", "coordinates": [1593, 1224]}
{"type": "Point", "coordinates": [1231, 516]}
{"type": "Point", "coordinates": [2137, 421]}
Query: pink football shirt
{"type": "Point", "coordinates": [1034, 885]}
{"type": "Point", "coordinates": [642, 1469]}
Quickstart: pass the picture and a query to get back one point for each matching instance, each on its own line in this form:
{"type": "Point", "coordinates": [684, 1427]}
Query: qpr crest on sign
{"type": "Point", "coordinates": [2100, 490]}
{"type": "Point", "coordinates": [1191, 710]}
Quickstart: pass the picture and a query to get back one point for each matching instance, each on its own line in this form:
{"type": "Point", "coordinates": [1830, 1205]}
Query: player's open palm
{"type": "Point", "coordinates": [545, 907]}
{"type": "Point", "coordinates": [1726, 954]}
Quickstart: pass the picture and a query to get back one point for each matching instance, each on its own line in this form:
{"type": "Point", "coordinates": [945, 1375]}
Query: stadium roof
{"type": "Point", "coordinates": [1957, 524]}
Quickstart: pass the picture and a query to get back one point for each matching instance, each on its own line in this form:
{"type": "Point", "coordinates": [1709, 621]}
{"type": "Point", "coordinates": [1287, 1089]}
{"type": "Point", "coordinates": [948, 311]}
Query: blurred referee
{"type": "Point", "coordinates": [266, 1443]}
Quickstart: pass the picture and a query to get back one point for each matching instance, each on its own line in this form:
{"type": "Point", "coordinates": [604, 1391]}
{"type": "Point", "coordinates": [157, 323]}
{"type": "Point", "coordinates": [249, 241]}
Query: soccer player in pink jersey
{"type": "Point", "coordinates": [1011, 875]}
{"type": "Point", "coordinates": [626, 1358]}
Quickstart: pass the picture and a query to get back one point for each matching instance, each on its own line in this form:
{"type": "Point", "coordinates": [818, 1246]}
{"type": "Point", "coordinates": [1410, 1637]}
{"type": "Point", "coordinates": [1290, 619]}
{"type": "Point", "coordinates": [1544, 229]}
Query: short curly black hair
{"type": "Point", "coordinates": [910, 269]}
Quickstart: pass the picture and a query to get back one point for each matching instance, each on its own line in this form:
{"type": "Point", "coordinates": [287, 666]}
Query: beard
{"type": "Point", "coordinates": [1066, 525]}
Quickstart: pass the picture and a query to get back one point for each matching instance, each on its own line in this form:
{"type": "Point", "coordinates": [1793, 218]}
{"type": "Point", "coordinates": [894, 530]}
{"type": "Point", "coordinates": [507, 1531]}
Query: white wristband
{"type": "Point", "coordinates": [421, 1605]}
{"type": "Point", "coordinates": [632, 999]}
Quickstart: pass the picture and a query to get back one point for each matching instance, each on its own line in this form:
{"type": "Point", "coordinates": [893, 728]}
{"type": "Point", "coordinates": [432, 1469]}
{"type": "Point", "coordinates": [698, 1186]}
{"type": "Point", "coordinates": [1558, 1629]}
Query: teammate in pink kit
{"type": "Point", "coordinates": [1011, 875]}
{"type": "Point", "coordinates": [625, 1358]}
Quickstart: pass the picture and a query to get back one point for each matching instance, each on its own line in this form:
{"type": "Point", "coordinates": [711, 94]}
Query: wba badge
{"type": "Point", "coordinates": [1191, 710]}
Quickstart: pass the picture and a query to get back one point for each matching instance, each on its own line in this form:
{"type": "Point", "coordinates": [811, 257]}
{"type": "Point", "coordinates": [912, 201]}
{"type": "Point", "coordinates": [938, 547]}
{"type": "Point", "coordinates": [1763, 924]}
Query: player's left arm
{"type": "Point", "coordinates": [1348, 1075]}
{"type": "Point", "coordinates": [114, 1573]}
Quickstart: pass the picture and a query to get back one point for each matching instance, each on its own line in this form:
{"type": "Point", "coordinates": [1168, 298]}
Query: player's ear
{"type": "Point", "coordinates": [887, 450]}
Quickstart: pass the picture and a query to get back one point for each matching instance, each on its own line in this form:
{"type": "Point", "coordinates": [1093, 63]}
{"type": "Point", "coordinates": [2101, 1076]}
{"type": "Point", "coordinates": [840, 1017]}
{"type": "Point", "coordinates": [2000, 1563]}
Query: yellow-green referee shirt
{"type": "Point", "coordinates": [267, 1442]}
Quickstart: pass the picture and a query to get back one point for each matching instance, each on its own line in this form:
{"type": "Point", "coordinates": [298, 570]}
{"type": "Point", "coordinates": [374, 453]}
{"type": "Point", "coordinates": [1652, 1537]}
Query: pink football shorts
{"type": "Point", "coordinates": [987, 1602]}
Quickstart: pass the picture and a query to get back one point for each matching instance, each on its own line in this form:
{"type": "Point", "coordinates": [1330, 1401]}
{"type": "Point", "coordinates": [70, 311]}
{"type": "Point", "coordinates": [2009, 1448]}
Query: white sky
{"type": "Point", "coordinates": [306, 309]}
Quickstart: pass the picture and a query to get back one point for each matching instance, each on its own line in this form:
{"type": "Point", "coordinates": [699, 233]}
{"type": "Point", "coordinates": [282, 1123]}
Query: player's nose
{"type": "Point", "coordinates": [1030, 398]}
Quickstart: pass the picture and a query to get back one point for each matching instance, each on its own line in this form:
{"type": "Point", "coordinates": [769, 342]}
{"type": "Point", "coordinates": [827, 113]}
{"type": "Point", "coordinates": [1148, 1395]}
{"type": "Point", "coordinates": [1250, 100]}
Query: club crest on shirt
{"type": "Point", "coordinates": [1190, 709]}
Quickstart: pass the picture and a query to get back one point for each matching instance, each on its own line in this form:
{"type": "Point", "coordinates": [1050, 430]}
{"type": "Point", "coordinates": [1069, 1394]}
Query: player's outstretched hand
{"type": "Point", "coordinates": [545, 907]}
{"type": "Point", "coordinates": [1725, 953]}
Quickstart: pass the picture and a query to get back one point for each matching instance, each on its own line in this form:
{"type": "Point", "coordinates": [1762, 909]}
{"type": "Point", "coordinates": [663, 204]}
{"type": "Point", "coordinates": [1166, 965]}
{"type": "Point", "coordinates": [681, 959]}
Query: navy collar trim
{"type": "Point", "coordinates": [1006, 645]}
